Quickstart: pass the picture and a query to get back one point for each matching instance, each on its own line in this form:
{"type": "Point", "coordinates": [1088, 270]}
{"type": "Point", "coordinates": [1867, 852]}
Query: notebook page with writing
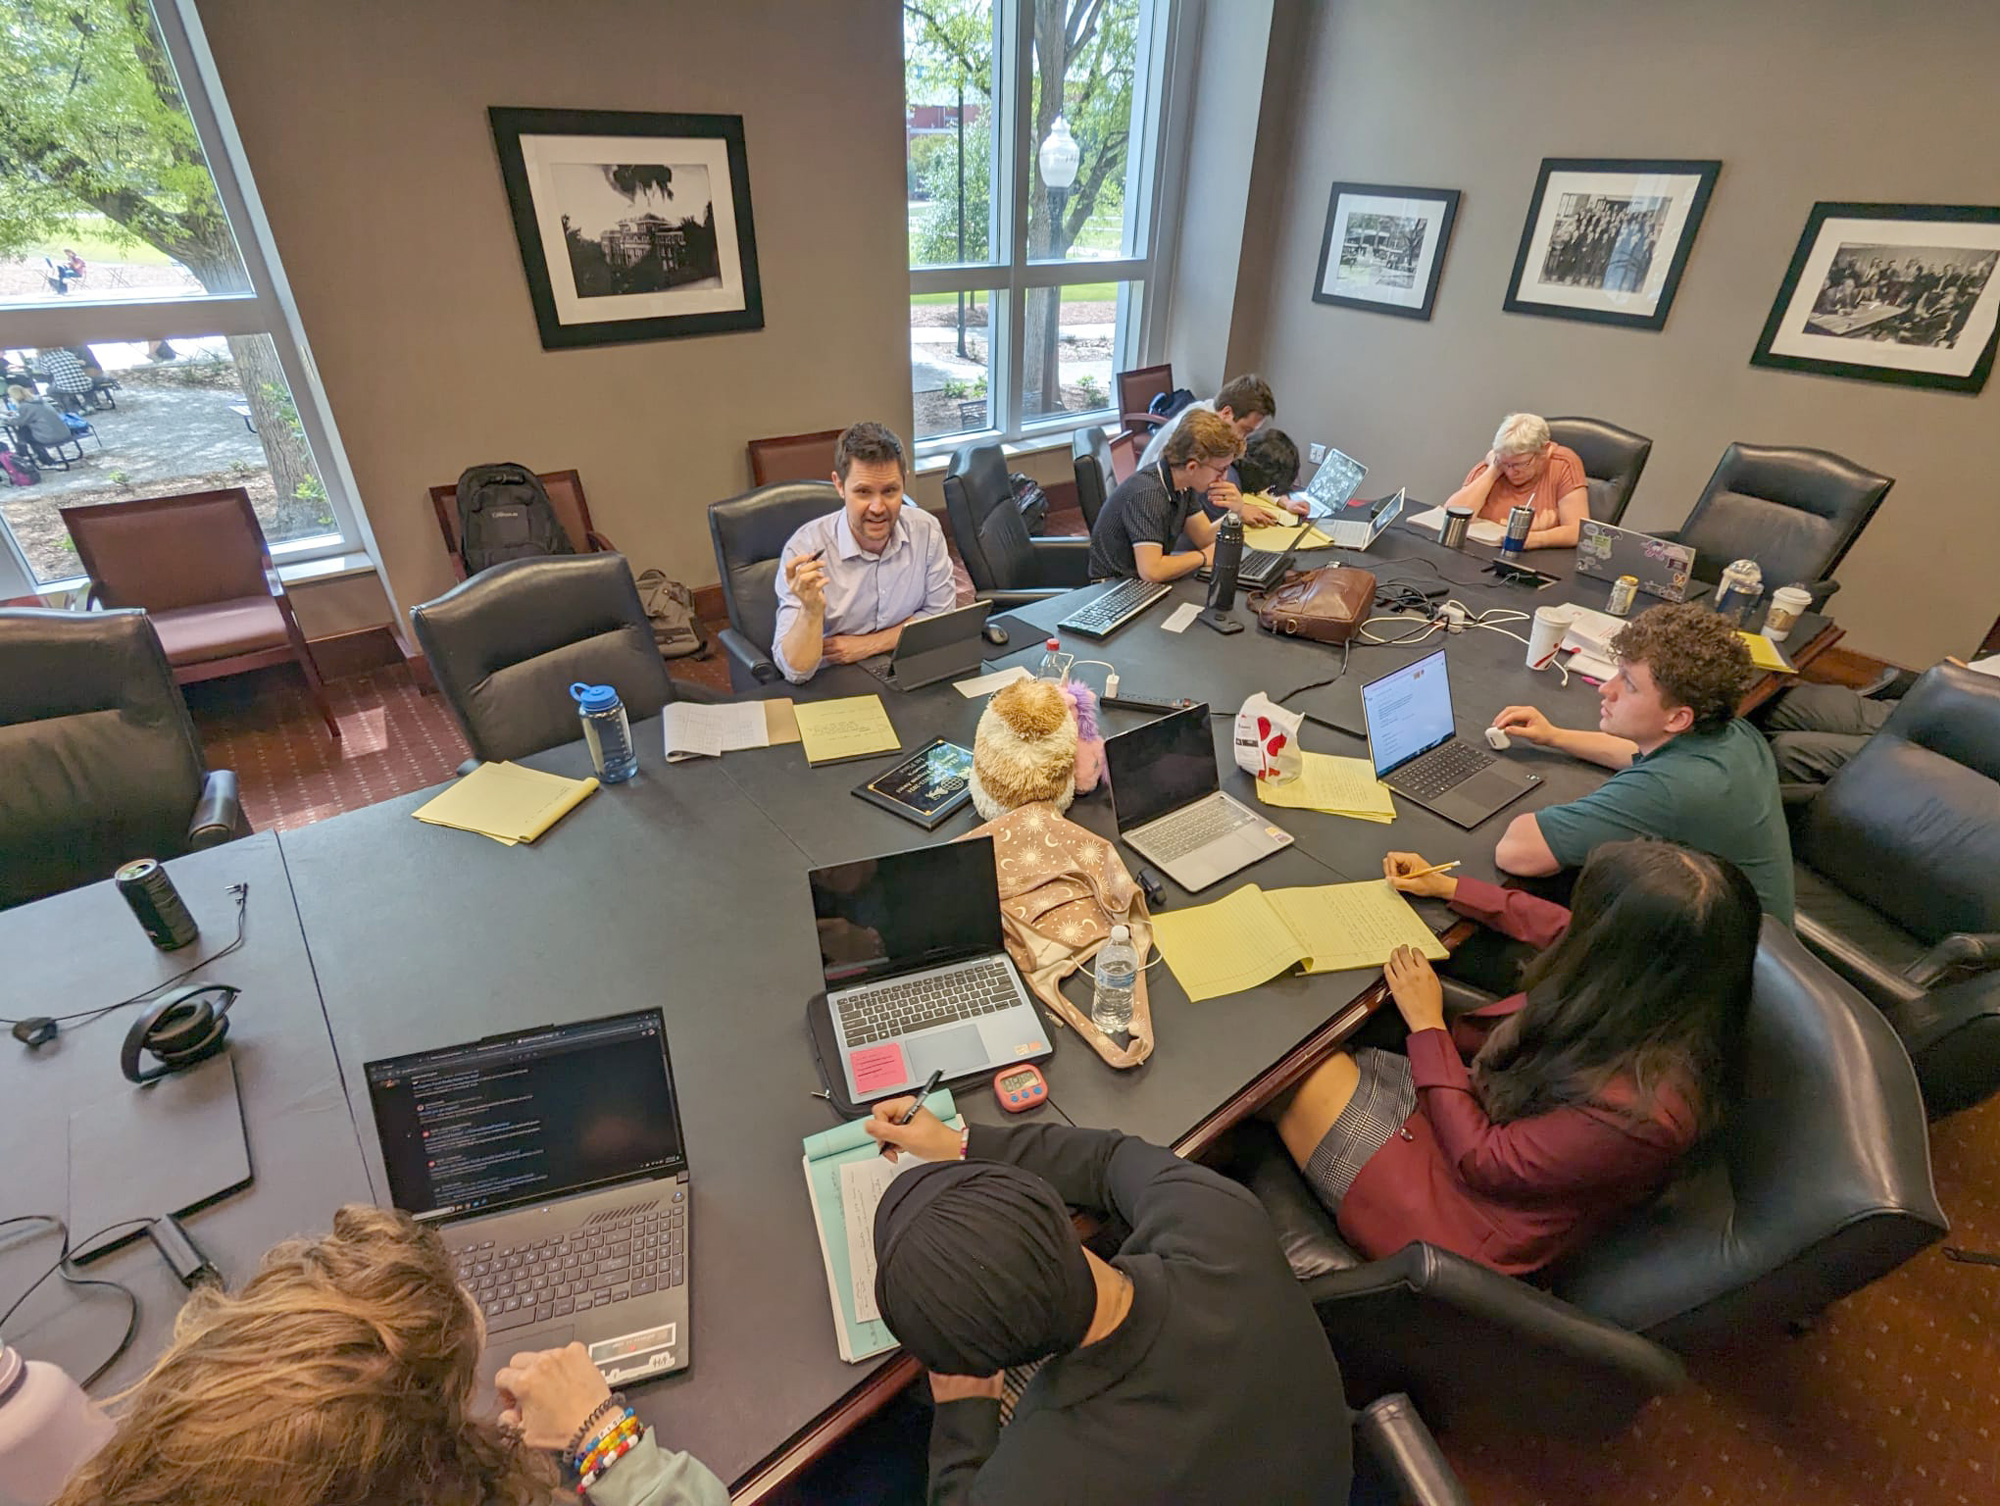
{"type": "Point", "coordinates": [1222, 948]}
{"type": "Point", "coordinates": [1346, 926]}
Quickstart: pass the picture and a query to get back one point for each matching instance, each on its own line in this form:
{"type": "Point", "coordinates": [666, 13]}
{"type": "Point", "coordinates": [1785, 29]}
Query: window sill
{"type": "Point", "coordinates": [933, 463]}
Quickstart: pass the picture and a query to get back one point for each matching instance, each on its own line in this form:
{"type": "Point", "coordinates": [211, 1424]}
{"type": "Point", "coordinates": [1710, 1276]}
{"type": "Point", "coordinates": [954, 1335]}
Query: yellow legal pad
{"type": "Point", "coordinates": [506, 802]}
{"type": "Point", "coordinates": [852, 727]}
{"type": "Point", "coordinates": [1277, 538]}
{"type": "Point", "coordinates": [1765, 654]}
{"type": "Point", "coordinates": [1249, 937]}
{"type": "Point", "coordinates": [1338, 786]}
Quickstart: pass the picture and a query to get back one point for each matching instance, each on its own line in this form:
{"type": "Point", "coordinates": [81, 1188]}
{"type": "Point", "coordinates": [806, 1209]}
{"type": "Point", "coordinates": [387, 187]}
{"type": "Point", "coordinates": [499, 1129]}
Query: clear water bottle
{"type": "Point", "coordinates": [1117, 975]}
{"type": "Point", "coordinates": [48, 1427]}
{"type": "Point", "coordinates": [607, 732]}
{"type": "Point", "coordinates": [1055, 663]}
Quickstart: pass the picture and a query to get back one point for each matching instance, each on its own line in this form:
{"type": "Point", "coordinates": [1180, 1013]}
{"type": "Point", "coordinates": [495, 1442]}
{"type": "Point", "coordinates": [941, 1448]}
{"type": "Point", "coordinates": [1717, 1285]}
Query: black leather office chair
{"type": "Point", "coordinates": [1898, 879]}
{"type": "Point", "coordinates": [749, 533]}
{"type": "Point", "coordinates": [99, 763]}
{"type": "Point", "coordinates": [1007, 567]}
{"type": "Point", "coordinates": [1397, 1459]}
{"type": "Point", "coordinates": [1796, 512]}
{"type": "Point", "coordinates": [1817, 1183]}
{"type": "Point", "coordinates": [1090, 455]}
{"type": "Point", "coordinates": [506, 646]}
{"type": "Point", "coordinates": [1612, 460]}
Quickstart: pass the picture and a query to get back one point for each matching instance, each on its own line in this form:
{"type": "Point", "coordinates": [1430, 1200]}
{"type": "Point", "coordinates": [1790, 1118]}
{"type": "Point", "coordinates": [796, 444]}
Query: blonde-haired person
{"type": "Point", "coordinates": [345, 1370]}
{"type": "Point", "coordinates": [36, 421]}
{"type": "Point", "coordinates": [1526, 467]}
{"type": "Point", "coordinates": [1143, 519]}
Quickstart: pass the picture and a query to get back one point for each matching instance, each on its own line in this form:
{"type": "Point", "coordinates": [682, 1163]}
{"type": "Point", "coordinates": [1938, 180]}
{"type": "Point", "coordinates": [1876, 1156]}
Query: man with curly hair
{"type": "Point", "coordinates": [1689, 769]}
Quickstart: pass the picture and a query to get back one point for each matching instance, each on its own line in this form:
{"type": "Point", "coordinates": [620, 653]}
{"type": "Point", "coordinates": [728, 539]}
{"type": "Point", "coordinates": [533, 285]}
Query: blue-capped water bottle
{"type": "Point", "coordinates": [607, 732]}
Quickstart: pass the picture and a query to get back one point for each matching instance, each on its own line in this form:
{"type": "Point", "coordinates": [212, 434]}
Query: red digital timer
{"type": "Point", "coordinates": [1020, 1088]}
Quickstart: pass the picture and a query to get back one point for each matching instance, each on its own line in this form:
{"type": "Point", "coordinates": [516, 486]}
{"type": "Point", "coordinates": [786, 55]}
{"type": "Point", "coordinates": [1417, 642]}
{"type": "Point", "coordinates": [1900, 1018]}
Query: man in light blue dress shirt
{"type": "Point", "coordinates": [850, 581]}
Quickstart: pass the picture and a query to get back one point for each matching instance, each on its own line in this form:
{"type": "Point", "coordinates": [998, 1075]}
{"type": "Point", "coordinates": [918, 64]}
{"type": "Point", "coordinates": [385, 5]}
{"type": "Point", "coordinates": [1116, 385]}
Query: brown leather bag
{"type": "Point", "coordinates": [1327, 605]}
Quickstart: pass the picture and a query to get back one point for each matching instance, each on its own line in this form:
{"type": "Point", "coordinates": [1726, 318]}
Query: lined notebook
{"type": "Point", "coordinates": [846, 1175]}
{"type": "Point", "coordinates": [506, 802]}
{"type": "Point", "coordinates": [1248, 937]}
{"type": "Point", "coordinates": [854, 726]}
{"type": "Point", "coordinates": [1338, 786]}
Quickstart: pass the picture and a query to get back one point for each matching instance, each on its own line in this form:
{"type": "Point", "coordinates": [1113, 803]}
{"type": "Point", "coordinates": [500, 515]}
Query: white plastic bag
{"type": "Point", "coordinates": [1267, 740]}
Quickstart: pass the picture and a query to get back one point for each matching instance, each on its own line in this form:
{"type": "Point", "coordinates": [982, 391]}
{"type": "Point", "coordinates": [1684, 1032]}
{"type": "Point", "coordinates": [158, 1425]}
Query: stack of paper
{"type": "Point", "coordinates": [1338, 786]}
{"type": "Point", "coordinates": [695, 730]}
{"type": "Point", "coordinates": [1249, 937]}
{"type": "Point", "coordinates": [506, 802]}
{"type": "Point", "coordinates": [1588, 638]}
{"type": "Point", "coordinates": [1290, 532]}
{"type": "Point", "coordinates": [1480, 530]}
{"type": "Point", "coordinates": [1766, 655]}
{"type": "Point", "coordinates": [852, 727]}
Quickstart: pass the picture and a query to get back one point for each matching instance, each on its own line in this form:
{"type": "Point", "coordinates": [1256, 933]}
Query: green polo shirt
{"type": "Point", "coordinates": [1715, 791]}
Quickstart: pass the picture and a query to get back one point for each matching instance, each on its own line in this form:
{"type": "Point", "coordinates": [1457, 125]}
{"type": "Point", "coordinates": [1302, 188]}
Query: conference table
{"type": "Point", "coordinates": [371, 934]}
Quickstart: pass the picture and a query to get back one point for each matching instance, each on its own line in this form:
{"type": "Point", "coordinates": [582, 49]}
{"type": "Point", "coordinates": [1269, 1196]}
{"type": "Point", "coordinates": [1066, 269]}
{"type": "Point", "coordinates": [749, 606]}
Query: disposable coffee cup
{"type": "Point", "coordinates": [1545, 635]}
{"type": "Point", "coordinates": [1788, 605]}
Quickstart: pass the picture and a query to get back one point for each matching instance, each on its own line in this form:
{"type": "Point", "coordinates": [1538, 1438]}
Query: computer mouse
{"type": "Point", "coordinates": [995, 634]}
{"type": "Point", "coordinates": [1497, 740]}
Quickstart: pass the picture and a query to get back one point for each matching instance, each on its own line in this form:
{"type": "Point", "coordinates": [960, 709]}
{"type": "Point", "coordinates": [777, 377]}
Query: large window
{"type": "Point", "coordinates": [139, 311]}
{"type": "Point", "coordinates": [1032, 130]}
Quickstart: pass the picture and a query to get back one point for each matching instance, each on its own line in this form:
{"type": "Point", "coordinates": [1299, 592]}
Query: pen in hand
{"type": "Point", "coordinates": [924, 1093]}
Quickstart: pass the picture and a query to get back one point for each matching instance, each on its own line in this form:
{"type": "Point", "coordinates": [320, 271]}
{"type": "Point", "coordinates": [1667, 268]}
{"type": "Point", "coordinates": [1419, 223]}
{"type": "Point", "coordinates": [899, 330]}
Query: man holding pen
{"type": "Point", "coordinates": [850, 581]}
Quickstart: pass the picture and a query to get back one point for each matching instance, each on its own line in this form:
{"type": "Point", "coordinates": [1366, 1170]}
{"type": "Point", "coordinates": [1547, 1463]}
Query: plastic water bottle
{"type": "Point", "coordinates": [1055, 663]}
{"type": "Point", "coordinates": [607, 732]}
{"type": "Point", "coordinates": [48, 1427]}
{"type": "Point", "coordinates": [1117, 975]}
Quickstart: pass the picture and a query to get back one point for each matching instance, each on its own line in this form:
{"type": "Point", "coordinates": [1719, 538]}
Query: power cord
{"type": "Point", "coordinates": [64, 1267]}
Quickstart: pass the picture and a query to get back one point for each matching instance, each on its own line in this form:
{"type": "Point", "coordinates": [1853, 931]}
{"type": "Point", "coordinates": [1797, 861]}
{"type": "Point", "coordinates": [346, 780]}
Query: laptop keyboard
{"type": "Point", "coordinates": [896, 1009]}
{"type": "Point", "coordinates": [1443, 768]}
{"type": "Point", "coordinates": [1197, 826]}
{"type": "Point", "coordinates": [1106, 613]}
{"type": "Point", "coordinates": [589, 1267]}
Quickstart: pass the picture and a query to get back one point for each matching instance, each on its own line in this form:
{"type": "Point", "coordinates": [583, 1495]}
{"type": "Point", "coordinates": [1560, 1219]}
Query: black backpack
{"type": "Point", "coordinates": [504, 514]}
{"type": "Point", "coordinates": [1167, 404]}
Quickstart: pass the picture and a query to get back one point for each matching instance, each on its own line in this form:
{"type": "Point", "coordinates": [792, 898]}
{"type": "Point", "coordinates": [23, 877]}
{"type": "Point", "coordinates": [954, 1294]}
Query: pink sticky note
{"type": "Point", "coordinates": [878, 1067]}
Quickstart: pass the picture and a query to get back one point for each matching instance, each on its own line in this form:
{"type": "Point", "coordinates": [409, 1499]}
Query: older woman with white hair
{"type": "Point", "coordinates": [1527, 468]}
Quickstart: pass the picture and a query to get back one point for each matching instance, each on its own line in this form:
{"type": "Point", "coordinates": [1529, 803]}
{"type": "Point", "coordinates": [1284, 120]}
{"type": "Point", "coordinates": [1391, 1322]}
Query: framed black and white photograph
{"type": "Point", "coordinates": [1606, 240]}
{"type": "Point", "coordinates": [1901, 293]}
{"type": "Point", "coordinates": [1384, 247]}
{"type": "Point", "coordinates": [632, 226]}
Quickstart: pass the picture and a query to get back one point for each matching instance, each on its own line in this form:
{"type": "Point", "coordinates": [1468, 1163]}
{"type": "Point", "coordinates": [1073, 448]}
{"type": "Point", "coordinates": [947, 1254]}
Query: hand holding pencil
{"type": "Point", "coordinates": [1412, 875]}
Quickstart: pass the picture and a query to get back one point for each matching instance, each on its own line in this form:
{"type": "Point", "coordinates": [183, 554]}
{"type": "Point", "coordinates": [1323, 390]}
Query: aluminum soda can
{"type": "Point", "coordinates": [1624, 592]}
{"type": "Point", "coordinates": [156, 902]}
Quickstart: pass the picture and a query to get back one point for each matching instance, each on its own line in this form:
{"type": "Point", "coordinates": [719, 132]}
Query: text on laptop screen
{"type": "Point", "coordinates": [1408, 712]}
{"type": "Point", "coordinates": [1161, 766]}
{"type": "Point", "coordinates": [906, 910]}
{"type": "Point", "coordinates": [526, 1117]}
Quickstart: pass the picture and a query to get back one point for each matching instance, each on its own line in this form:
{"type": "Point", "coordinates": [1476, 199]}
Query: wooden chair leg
{"type": "Point", "coordinates": [316, 688]}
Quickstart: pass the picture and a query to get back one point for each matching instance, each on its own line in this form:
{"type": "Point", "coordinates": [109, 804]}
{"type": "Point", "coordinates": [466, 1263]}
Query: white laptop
{"type": "Point", "coordinates": [1168, 800]}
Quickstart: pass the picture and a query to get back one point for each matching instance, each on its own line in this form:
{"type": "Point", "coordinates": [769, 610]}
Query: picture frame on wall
{"type": "Point", "coordinates": [1606, 239]}
{"type": "Point", "coordinates": [632, 225]}
{"type": "Point", "coordinates": [1901, 293]}
{"type": "Point", "coordinates": [1384, 247]}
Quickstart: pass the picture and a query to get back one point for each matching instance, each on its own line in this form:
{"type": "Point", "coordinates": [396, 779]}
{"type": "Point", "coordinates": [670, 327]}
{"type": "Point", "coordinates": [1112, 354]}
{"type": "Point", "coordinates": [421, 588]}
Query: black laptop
{"type": "Point", "coordinates": [1414, 744]}
{"type": "Point", "coordinates": [934, 648]}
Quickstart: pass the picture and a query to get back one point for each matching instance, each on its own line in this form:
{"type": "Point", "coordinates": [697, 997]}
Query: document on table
{"type": "Point", "coordinates": [1249, 937]}
{"type": "Point", "coordinates": [1765, 654]}
{"type": "Point", "coordinates": [986, 684]}
{"type": "Point", "coordinates": [1182, 617]}
{"type": "Point", "coordinates": [862, 1184]}
{"type": "Point", "coordinates": [851, 727]}
{"type": "Point", "coordinates": [695, 729]}
{"type": "Point", "coordinates": [1338, 786]}
{"type": "Point", "coordinates": [1278, 537]}
{"type": "Point", "coordinates": [506, 802]}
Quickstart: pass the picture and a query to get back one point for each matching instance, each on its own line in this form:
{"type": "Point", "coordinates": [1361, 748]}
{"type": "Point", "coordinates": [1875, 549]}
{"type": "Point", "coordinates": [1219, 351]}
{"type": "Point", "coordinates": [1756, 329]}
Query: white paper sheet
{"type": "Point", "coordinates": [862, 1184]}
{"type": "Point", "coordinates": [986, 684]}
{"type": "Point", "coordinates": [1183, 617]}
{"type": "Point", "coordinates": [693, 729]}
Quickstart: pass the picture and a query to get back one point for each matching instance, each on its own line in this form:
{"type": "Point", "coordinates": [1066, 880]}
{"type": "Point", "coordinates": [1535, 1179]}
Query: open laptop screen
{"type": "Point", "coordinates": [907, 910]}
{"type": "Point", "coordinates": [1408, 712]}
{"type": "Point", "coordinates": [1161, 766]}
{"type": "Point", "coordinates": [527, 1117]}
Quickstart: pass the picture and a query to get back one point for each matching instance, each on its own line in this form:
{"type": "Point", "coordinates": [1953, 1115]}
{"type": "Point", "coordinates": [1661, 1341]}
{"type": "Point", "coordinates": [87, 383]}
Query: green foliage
{"type": "Point", "coordinates": [934, 243]}
{"type": "Point", "coordinates": [1093, 392]}
{"type": "Point", "coordinates": [120, 478]}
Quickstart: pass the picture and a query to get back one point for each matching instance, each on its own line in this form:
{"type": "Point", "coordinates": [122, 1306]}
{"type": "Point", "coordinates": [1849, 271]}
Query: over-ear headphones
{"type": "Point", "coordinates": [180, 1028]}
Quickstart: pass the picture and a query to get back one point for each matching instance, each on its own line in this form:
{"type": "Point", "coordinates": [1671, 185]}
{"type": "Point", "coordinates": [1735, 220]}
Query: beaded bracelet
{"type": "Point", "coordinates": [610, 1404]}
{"type": "Point", "coordinates": [609, 1459]}
{"type": "Point", "coordinates": [602, 1444]}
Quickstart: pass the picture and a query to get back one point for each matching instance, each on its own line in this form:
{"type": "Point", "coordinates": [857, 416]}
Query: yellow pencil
{"type": "Point", "coordinates": [1427, 872]}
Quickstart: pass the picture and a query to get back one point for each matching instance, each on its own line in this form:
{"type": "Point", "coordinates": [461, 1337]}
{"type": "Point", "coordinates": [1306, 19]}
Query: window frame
{"type": "Point", "coordinates": [1008, 279]}
{"type": "Point", "coordinates": [266, 309]}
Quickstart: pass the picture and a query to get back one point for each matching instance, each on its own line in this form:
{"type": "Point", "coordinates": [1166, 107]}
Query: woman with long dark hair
{"type": "Point", "coordinates": [1514, 1133]}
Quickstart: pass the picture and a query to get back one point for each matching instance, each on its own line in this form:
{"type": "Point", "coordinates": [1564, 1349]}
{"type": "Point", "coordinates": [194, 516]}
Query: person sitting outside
{"type": "Point", "coordinates": [68, 378]}
{"type": "Point", "coordinates": [37, 423]}
{"type": "Point", "coordinates": [1526, 468]}
{"type": "Point", "coordinates": [848, 583]}
{"type": "Point", "coordinates": [1689, 769]}
{"type": "Point", "coordinates": [1148, 512]}
{"type": "Point", "coordinates": [1514, 1133]}
{"type": "Point", "coordinates": [1187, 1368]}
{"type": "Point", "coordinates": [1244, 403]}
{"type": "Point", "coordinates": [346, 1370]}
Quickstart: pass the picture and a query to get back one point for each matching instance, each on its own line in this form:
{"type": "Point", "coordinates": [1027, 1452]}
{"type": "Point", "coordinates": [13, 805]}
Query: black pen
{"type": "Point", "coordinates": [929, 1088]}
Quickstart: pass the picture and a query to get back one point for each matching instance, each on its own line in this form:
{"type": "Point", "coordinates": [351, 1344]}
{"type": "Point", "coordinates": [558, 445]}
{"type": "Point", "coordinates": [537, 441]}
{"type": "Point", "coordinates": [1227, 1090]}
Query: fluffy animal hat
{"type": "Point", "coordinates": [1025, 749]}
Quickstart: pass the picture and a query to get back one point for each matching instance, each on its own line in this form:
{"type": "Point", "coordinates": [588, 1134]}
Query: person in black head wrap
{"type": "Point", "coordinates": [1190, 1367]}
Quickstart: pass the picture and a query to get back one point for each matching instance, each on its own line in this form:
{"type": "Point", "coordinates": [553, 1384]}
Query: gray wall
{"type": "Point", "coordinates": [1816, 99]}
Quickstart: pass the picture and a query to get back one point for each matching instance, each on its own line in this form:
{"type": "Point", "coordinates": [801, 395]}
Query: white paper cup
{"type": "Point", "coordinates": [1788, 605]}
{"type": "Point", "coordinates": [1545, 635]}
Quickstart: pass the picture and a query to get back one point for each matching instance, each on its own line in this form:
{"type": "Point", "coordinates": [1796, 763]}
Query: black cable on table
{"type": "Point", "coordinates": [62, 1267]}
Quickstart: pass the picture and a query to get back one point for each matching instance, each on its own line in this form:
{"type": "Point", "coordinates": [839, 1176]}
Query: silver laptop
{"type": "Point", "coordinates": [1168, 800]}
{"type": "Point", "coordinates": [934, 648]}
{"type": "Point", "coordinates": [1665, 570]}
{"type": "Point", "coordinates": [917, 973]}
{"type": "Point", "coordinates": [1333, 485]}
{"type": "Point", "coordinates": [552, 1160]}
{"type": "Point", "coordinates": [1414, 744]}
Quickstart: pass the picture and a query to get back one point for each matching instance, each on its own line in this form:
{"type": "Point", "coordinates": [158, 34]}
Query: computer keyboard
{"type": "Point", "coordinates": [571, 1273]}
{"type": "Point", "coordinates": [1104, 615]}
{"type": "Point", "coordinates": [1258, 568]}
{"type": "Point", "coordinates": [1181, 833]}
{"type": "Point", "coordinates": [1445, 766]}
{"type": "Point", "coordinates": [895, 1009]}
